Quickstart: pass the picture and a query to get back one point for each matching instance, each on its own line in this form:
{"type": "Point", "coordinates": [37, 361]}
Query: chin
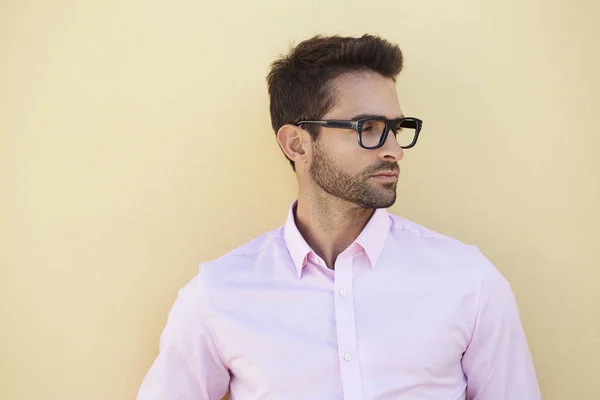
{"type": "Point", "coordinates": [378, 201]}
{"type": "Point", "coordinates": [388, 204]}
{"type": "Point", "coordinates": [389, 200]}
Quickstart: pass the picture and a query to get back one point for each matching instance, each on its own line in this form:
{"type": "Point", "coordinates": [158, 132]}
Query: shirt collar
{"type": "Point", "coordinates": [371, 239]}
{"type": "Point", "coordinates": [297, 246]}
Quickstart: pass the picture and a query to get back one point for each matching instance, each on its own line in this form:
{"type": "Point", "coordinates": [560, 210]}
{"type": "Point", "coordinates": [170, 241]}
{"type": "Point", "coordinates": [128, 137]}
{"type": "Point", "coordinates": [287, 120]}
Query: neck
{"type": "Point", "coordinates": [328, 224]}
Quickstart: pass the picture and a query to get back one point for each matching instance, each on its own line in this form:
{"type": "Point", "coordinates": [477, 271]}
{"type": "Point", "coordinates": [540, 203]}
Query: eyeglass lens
{"type": "Point", "coordinates": [372, 131]}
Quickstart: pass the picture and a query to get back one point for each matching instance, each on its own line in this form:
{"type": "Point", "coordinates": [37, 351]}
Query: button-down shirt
{"type": "Point", "coordinates": [406, 313]}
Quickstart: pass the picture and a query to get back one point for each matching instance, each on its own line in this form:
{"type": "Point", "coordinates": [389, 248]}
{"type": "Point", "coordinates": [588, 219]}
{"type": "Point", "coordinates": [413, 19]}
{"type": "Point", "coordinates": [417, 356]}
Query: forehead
{"type": "Point", "coordinates": [364, 93]}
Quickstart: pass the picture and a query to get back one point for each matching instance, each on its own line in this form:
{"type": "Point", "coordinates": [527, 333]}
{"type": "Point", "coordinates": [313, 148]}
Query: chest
{"type": "Point", "coordinates": [307, 339]}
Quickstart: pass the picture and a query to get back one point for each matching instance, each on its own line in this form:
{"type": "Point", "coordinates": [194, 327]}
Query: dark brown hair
{"type": "Point", "coordinates": [300, 83]}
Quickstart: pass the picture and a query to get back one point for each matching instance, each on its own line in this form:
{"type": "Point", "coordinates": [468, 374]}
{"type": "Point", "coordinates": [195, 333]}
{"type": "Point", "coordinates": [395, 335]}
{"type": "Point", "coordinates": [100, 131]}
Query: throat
{"type": "Point", "coordinates": [329, 231]}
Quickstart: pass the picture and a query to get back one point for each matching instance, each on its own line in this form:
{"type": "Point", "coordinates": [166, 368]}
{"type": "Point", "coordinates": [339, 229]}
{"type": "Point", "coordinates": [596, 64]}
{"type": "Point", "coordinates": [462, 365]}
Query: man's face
{"type": "Point", "coordinates": [339, 165]}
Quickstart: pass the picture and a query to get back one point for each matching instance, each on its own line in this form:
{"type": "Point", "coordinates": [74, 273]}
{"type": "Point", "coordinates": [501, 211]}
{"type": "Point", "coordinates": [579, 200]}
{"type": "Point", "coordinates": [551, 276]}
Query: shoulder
{"type": "Point", "coordinates": [238, 268]}
{"type": "Point", "coordinates": [249, 261]}
{"type": "Point", "coordinates": [401, 225]}
{"type": "Point", "coordinates": [445, 250]}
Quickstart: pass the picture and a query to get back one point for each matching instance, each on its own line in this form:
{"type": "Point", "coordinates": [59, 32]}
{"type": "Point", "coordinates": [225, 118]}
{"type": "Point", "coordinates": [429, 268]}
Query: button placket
{"type": "Point", "coordinates": [346, 328]}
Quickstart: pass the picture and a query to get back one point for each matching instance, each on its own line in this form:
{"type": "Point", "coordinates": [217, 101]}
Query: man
{"type": "Point", "coordinates": [345, 301]}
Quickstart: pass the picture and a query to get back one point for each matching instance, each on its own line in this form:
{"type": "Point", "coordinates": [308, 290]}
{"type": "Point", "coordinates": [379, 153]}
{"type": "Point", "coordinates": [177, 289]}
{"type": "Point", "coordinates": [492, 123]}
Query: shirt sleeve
{"type": "Point", "coordinates": [497, 362]}
{"type": "Point", "coordinates": [189, 365]}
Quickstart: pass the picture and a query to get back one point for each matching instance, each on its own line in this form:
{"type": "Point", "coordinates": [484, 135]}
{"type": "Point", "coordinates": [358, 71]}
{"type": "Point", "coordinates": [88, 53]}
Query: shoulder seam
{"type": "Point", "coordinates": [204, 292]}
{"type": "Point", "coordinates": [423, 235]}
{"type": "Point", "coordinates": [234, 253]}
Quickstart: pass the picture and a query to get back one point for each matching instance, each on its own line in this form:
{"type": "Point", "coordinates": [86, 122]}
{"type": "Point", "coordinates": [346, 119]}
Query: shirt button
{"type": "Point", "coordinates": [317, 261]}
{"type": "Point", "coordinates": [343, 292]}
{"type": "Point", "coordinates": [347, 356]}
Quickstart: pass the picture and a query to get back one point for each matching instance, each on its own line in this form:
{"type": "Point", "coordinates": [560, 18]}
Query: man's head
{"type": "Point", "coordinates": [338, 78]}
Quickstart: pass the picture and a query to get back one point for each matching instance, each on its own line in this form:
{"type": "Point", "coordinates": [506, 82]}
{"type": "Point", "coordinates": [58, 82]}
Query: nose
{"type": "Point", "coordinates": [391, 150]}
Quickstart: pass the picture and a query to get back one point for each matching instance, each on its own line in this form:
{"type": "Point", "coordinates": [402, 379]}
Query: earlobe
{"type": "Point", "coordinates": [291, 139]}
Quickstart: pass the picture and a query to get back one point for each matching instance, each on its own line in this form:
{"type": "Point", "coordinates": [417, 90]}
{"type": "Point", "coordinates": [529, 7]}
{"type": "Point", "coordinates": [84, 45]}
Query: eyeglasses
{"type": "Point", "coordinates": [373, 132]}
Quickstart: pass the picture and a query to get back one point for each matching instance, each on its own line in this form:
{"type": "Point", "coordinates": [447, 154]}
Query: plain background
{"type": "Point", "coordinates": [136, 143]}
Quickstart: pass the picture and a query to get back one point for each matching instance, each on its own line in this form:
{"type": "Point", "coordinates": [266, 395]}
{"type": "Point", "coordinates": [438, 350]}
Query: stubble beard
{"type": "Point", "coordinates": [358, 189]}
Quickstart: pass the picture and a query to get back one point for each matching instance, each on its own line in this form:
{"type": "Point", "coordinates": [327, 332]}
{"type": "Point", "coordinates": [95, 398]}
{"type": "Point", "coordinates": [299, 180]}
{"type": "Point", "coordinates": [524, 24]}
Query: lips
{"type": "Point", "coordinates": [387, 173]}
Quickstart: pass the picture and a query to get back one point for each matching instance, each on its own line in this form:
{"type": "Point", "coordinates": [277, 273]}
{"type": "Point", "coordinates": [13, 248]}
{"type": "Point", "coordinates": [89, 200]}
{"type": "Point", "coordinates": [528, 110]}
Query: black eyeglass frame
{"type": "Point", "coordinates": [357, 125]}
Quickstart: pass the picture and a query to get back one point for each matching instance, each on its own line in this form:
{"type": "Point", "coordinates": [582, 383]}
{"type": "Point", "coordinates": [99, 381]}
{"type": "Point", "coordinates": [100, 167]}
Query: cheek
{"type": "Point", "coordinates": [354, 162]}
{"type": "Point", "coordinates": [345, 153]}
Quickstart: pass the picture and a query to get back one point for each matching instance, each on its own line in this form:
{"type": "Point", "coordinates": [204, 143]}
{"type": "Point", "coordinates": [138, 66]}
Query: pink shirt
{"type": "Point", "coordinates": [407, 314]}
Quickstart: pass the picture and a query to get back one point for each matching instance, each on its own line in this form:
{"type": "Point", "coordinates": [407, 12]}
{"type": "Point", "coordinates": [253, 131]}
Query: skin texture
{"type": "Point", "coordinates": [337, 190]}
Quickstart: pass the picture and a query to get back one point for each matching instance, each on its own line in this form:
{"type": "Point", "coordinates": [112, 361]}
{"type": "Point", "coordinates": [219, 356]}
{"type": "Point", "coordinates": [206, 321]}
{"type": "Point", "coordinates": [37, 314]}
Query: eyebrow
{"type": "Point", "coordinates": [361, 116]}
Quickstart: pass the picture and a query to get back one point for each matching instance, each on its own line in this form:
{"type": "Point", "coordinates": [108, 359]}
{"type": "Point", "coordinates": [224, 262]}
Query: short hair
{"type": "Point", "coordinates": [300, 84]}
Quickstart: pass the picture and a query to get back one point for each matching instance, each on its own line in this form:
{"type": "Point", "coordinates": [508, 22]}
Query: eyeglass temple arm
{"type": "Point", "coordinates": [332, 124]}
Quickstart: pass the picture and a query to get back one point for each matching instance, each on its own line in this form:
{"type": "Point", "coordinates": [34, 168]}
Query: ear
{"type": "Point", "coordinates": [294, 141]}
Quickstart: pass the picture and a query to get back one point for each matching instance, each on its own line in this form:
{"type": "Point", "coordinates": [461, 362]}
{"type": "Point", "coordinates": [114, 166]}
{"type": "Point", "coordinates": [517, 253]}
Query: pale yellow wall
{"type": "Point", "coordinates": [135, 143]}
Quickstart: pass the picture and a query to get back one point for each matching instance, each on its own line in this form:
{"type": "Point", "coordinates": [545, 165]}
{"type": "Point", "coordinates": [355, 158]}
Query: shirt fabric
{"type": "Point", "coordinates": [407, 314]}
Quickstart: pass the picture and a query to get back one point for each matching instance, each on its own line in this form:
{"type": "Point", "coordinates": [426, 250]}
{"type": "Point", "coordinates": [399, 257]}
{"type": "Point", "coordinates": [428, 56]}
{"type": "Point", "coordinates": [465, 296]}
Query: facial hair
{"type": "Point", "coordinates": [358, 189]}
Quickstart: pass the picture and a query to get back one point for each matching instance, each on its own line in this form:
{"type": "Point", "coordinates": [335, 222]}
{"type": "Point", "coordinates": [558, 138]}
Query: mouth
{"type": "Point", "coordinates": [387, 176]}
